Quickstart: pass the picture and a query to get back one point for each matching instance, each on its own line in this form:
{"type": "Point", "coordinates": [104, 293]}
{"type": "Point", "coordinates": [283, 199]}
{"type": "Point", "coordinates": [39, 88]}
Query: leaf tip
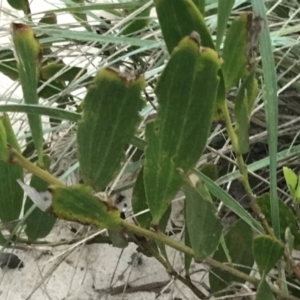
{"type": "Point", "coordinates": [195, 36]}
{"type": "Point", "coordinates": [23, 34]}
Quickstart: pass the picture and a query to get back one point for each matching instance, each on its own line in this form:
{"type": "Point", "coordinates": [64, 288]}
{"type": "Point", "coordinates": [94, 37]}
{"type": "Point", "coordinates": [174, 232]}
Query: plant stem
{"type": "Point", "coordinates": [245, 180]}
{"type": "Point", "coordinates": [188, 283]}
{"type": "Point", "coordinates": [18, 159]}
{"type": "Point", "coordinates": [233, 271]}
{"type": "Point", "coordinates": [253, 280]}
{"type": "Point", "coordinates": [244, 171]}
{"type": "Point", "coordinates": [172, 272]}
{"type": "Point", "coordinates": [160, 237]}
{"type": "Point", "coordinates": [296, 206]}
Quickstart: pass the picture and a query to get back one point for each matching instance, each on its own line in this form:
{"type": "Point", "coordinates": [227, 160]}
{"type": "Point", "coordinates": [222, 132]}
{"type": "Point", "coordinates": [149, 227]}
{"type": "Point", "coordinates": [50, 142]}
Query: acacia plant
{"type": "Point", "coordinates": [190, 94]}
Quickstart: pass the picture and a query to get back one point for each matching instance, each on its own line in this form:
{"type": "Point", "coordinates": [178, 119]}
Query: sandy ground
{"type": "Point", "coordinates": [96, 271]}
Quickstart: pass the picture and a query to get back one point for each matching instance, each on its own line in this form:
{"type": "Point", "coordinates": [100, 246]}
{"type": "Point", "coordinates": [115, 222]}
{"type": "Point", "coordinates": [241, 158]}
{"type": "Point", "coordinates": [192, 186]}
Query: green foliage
{"type": "Point", "coordinates": [139, 23]}
{"type": "Point", "coordinates": [200, 4]}
{"type": "Point", "coordinates": [224, 10]}
{"type": "Point", "coordinates": [8, 64]}
{"type": "Point", "coordinates": [243, 107]}
{"type": "Point", "coordinates": [29, 56]}
{"type": "Point", "coordinates": [39, 223]}
{"type": "Point", "coordinates": [261, 33]}
{"type": "Point", "coordinates": [139, 204]}
{"type": "Point", "coordinates": [48, 18]}
{"type": "Point", "coordinates": [20, 5]}
{"type": "Point", "coordinates": [139, 201]}
{"type": "Point", "coordinates": [235, 51]}
{"type": "Point", "coordinates": [286, 216]}
{"type": "Point", "coordinates": [185, 114]}
{"type": "Point", "coordinates": [211, 171]}
{"type": "Point", "coordinates": [267, 251]}
{"type": "Point", "coordinates": [292, 181]}
{"type": "Point", "coordinates": [204, 227]}
{"type": "Point", "coordinates": [10, 134]}
{"type": "Point", "coordinates": [11, 194]}
{"type": "Point", "coordinates": [264, 292]}
{"type": "Point", "coordinates": [52, 69]}
{"type": "Point", "coordinates": [238, 241]}
{"type": "Point", "coordinates": [4, 154]}
{"type": "Point", "coordinates": [80, 16]}
{"type": "Point", "coordinates": [78, 204]}
{"type": "Point", "coordinates": [230, 202]}
{"type": "Point", "coordinates": [242, 120]}
{"type": "Point", "coordinates": [180, 18]}
{"type": "Point", "coordinates": [110, 114]}
{"type": "Point", "coordinates": [9, 67]}
{"type": "Point", "coordinates": [187, 258]}
{"type": "Point", "coordinates": [251, 87]}
{"type": "Point", "coordinates": [191, 91]}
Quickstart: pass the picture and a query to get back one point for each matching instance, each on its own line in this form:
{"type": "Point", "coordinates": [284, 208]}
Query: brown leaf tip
{"type": "Point", "coordinates": [18, 26]}
{"type": "Point", "coordinates": [20, 29]}
{"type": "Point", "coordinates": [195, 36]}
{"type": "Point", "coordinates": [128, 75]}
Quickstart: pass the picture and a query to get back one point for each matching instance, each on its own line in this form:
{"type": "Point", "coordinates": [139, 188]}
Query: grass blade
{"type": "Point", "coordinates": [271, 108]}
{"type": "Point", "coordinates": [224, 11]}
{"type": "Point", "coordinates": [52, 112]}
{"type": "Point", "coordinates": [231, 203]}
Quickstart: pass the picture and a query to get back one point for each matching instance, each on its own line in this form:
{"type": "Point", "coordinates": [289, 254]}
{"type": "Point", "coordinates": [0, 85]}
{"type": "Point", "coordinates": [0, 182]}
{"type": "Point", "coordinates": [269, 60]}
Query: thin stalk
{"type": "Point", "coordinates": [160, 237]}
{"type": "Point", "coordinates": [245, 180]}
{"type": "Point", "coordinates": [186, 281]}
{"type": "Point", "coordinates": [244, 171]}
{"type": "Point", "coordinates": [18, 159]}
{"type": "Point", "coordinates": [253, 280]}
{"type": "Point", "coordinates": [297, 209]}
